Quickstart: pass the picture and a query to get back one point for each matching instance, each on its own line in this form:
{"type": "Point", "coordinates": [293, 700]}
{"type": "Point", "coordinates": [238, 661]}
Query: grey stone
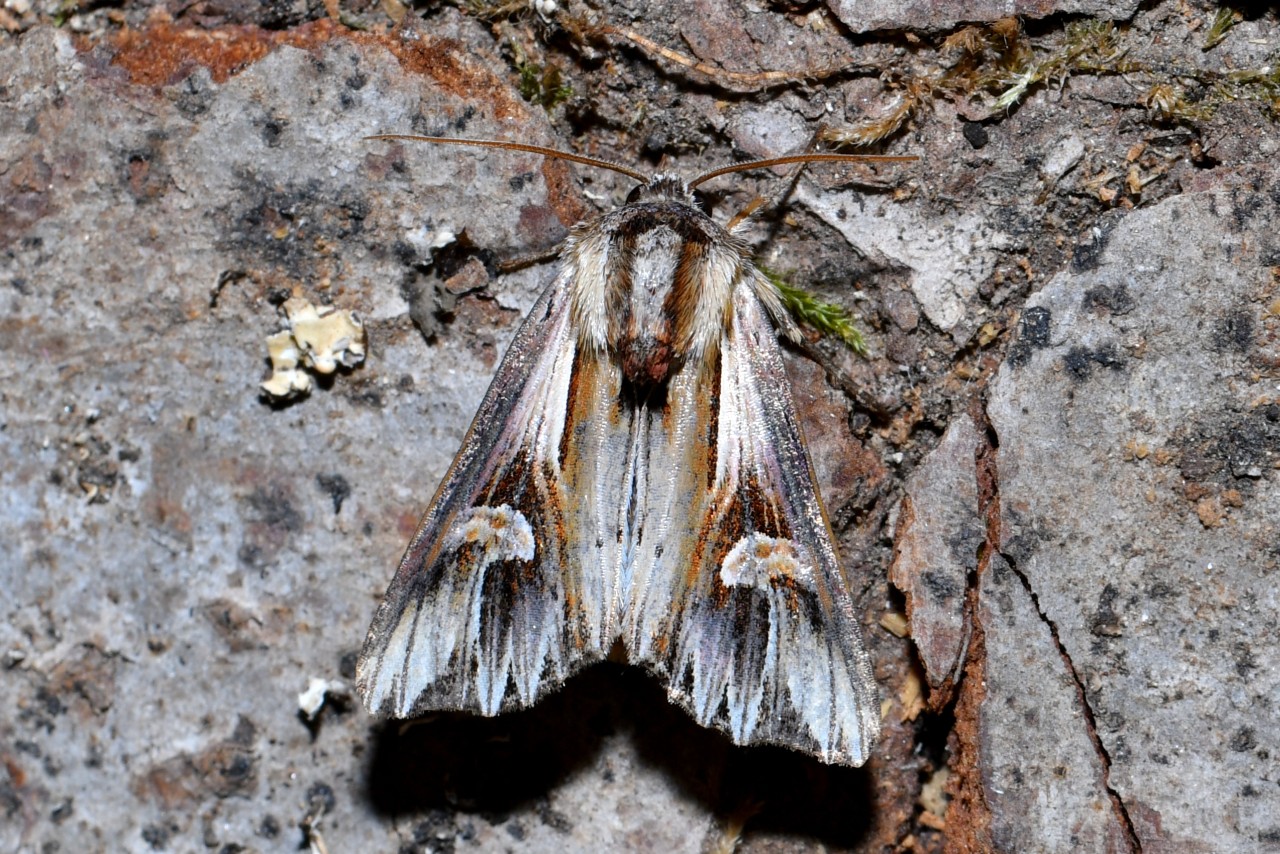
{"type": "Point", "coordinates": [863, 17]}
{"type": "Point", "coordinates": [936, 545]}
{"type": "Point", "coordinates": [1127, 431]}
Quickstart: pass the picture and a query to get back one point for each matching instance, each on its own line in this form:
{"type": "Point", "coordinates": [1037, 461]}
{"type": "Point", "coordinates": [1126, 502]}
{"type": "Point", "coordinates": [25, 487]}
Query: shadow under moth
{"type": "Point", "coordinates": [636, 474]}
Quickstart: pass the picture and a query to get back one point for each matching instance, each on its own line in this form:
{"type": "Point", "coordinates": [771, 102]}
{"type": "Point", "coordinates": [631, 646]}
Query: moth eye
{"type": "Point", "coordinates": [500, 533]}
{"type": "Point", "coordinates": [634, 195]}
{"type": "Point", "coordinates": [760, 561]}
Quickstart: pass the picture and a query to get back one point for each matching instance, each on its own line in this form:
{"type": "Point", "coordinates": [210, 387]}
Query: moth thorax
{"type": "Point", "coordinates": [651, 274]}
{"type": "Point", "coordinates": [669, 283]}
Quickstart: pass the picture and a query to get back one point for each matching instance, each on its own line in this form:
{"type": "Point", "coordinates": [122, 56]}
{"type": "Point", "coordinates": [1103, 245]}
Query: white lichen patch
{"type": "Point", "coordinates": [317, 338]}
{"type": "Point", "coordinates": [312, 700]}
{"type": "Point", "coordinates": [427, 240]}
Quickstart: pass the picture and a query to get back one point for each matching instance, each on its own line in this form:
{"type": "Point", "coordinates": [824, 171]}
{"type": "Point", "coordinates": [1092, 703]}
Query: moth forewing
{"type": "Point", "coordinates": [475, 617]}
{"type": "Point", "coordinates": [636, 472]}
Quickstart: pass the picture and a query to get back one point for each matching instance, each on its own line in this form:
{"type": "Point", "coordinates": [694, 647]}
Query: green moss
{"type": "Point", "coordinates": [543, 86]}
{"type": "Point", "coordinates": [827, 318]}
{"type": "Point", "coordinates": [1225, 19]}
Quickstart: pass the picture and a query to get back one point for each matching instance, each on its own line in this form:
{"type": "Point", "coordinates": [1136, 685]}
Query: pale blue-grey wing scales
{"type": "Point", "coordinates": [597, 470]}
{"type": "Point", "coordinates": [738, 598]}
{"type": "Point", "coordinates": [490, 608]}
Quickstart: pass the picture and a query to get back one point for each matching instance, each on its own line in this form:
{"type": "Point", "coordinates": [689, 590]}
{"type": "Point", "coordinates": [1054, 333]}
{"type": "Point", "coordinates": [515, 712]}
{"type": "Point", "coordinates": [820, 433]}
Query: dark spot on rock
{"type": "Point", "coordinates": [50, 703]}
{"type": "Point", "coordinates": [273, 507]}
{"type": "Point", "coordinates": [941, 587]}
{"type": "Point", "coordinates": [437, 832]}
{"type": "Point", "coordinates": [964, 545]}
{"type": "Point", "coordinates": [1106, 622]}
{"type": "Point", "coordinates": [336, 487]}
{"type": "Point", "coordinates": [260, 230]}
{"type": "Point", "coordinates": [347, 664]}
{"type": "Point", "coordinates": [271, 132]}
{"type": "Point", "coordinates": [1245, 661]}
{"type": "Point", "coordinates": [367, 394]}
{"type": "Point", "coordinates": [227, 769]}
{"type": "Point", "coordinates": [194, 95]}
{"type": "Point", "coordinates": [357, 81]}
{"type": "Point", "coordinates": [1088, 255]}
{"type": "Point", "coordinates": [244, 733]}
{"type": "Point", "coordinates": [251, 555]}
{"type": "Point", "coordinates": [320, 799]}
{"type": "Point", "coordinates": [1079, 361]}
{"type": "Point", "coordinates": [1115, 299]}
{"type": "Point", "coordinates": [1244, 740]}
{"type": "Point", "coordinates": [156, 836]}
{"type": "Point", "coordinates": [269, 827]}
{"type": "Point", "coordinates": [553, 818]}
{"type": "Point", "coordinates": [1228, 448]}
{"type": "Point", "coordinates": [61, 812]}
{"type": "Point", "coordinates": [460, 123]}
{"type": "Point", "coordinates": [1033, 334]}
{"type": "Point", "coordinates": [975, 134]}
{"type": "Point", "coordinates": [1234, 331]}
{"type": "Point", "coordinates": [1109, 357]}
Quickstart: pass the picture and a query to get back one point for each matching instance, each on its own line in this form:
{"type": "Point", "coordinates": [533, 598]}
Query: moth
{"type": "Point", "coordinates": [636, 474]}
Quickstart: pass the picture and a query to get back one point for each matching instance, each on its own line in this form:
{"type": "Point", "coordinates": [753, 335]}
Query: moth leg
{"type": "Point", "coordinates": [529, 259]}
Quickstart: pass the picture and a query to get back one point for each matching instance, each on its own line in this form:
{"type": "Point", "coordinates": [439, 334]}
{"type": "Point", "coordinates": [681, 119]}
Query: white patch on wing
{"type": "Point", "coordinates": [501, 532]}
{"type": "Point", "coordinates": [757, 561]}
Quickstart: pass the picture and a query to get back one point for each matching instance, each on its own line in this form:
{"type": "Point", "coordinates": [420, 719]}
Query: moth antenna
{"type": "Point", "coordinates": [520, 146]}
{"type": "Point", "coordinates": [815, 157]}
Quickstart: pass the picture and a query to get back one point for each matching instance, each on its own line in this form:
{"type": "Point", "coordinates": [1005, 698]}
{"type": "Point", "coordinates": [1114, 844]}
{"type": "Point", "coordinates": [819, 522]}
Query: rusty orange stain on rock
{"type": "Point", "coordinates": [563, 195]}
{"type": "Point", "coordinates": [450, 64]}
{"type": "Point", "coordinates": [164, 53]}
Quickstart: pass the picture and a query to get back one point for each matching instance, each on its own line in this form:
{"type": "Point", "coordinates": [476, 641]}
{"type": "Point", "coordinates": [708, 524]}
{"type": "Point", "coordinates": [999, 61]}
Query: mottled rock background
{"type": "Point", "coordinates": [1055, 475]}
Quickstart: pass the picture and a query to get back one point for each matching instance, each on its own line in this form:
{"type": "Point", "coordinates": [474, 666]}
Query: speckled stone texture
{"type": "Point", "coordinates": [1139, 440]}
{"type": "Point", "coordinates": [1063, 444]}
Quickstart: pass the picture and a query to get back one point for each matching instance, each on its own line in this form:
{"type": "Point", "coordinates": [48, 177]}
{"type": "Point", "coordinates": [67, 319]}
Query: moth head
{"type": "Point", "coordinates": [662, 188]}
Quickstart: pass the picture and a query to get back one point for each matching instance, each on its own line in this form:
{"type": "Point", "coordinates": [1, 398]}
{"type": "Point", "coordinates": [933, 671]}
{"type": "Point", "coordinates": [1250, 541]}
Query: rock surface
{"type": "Point", "coordinates": [1062, 450]}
